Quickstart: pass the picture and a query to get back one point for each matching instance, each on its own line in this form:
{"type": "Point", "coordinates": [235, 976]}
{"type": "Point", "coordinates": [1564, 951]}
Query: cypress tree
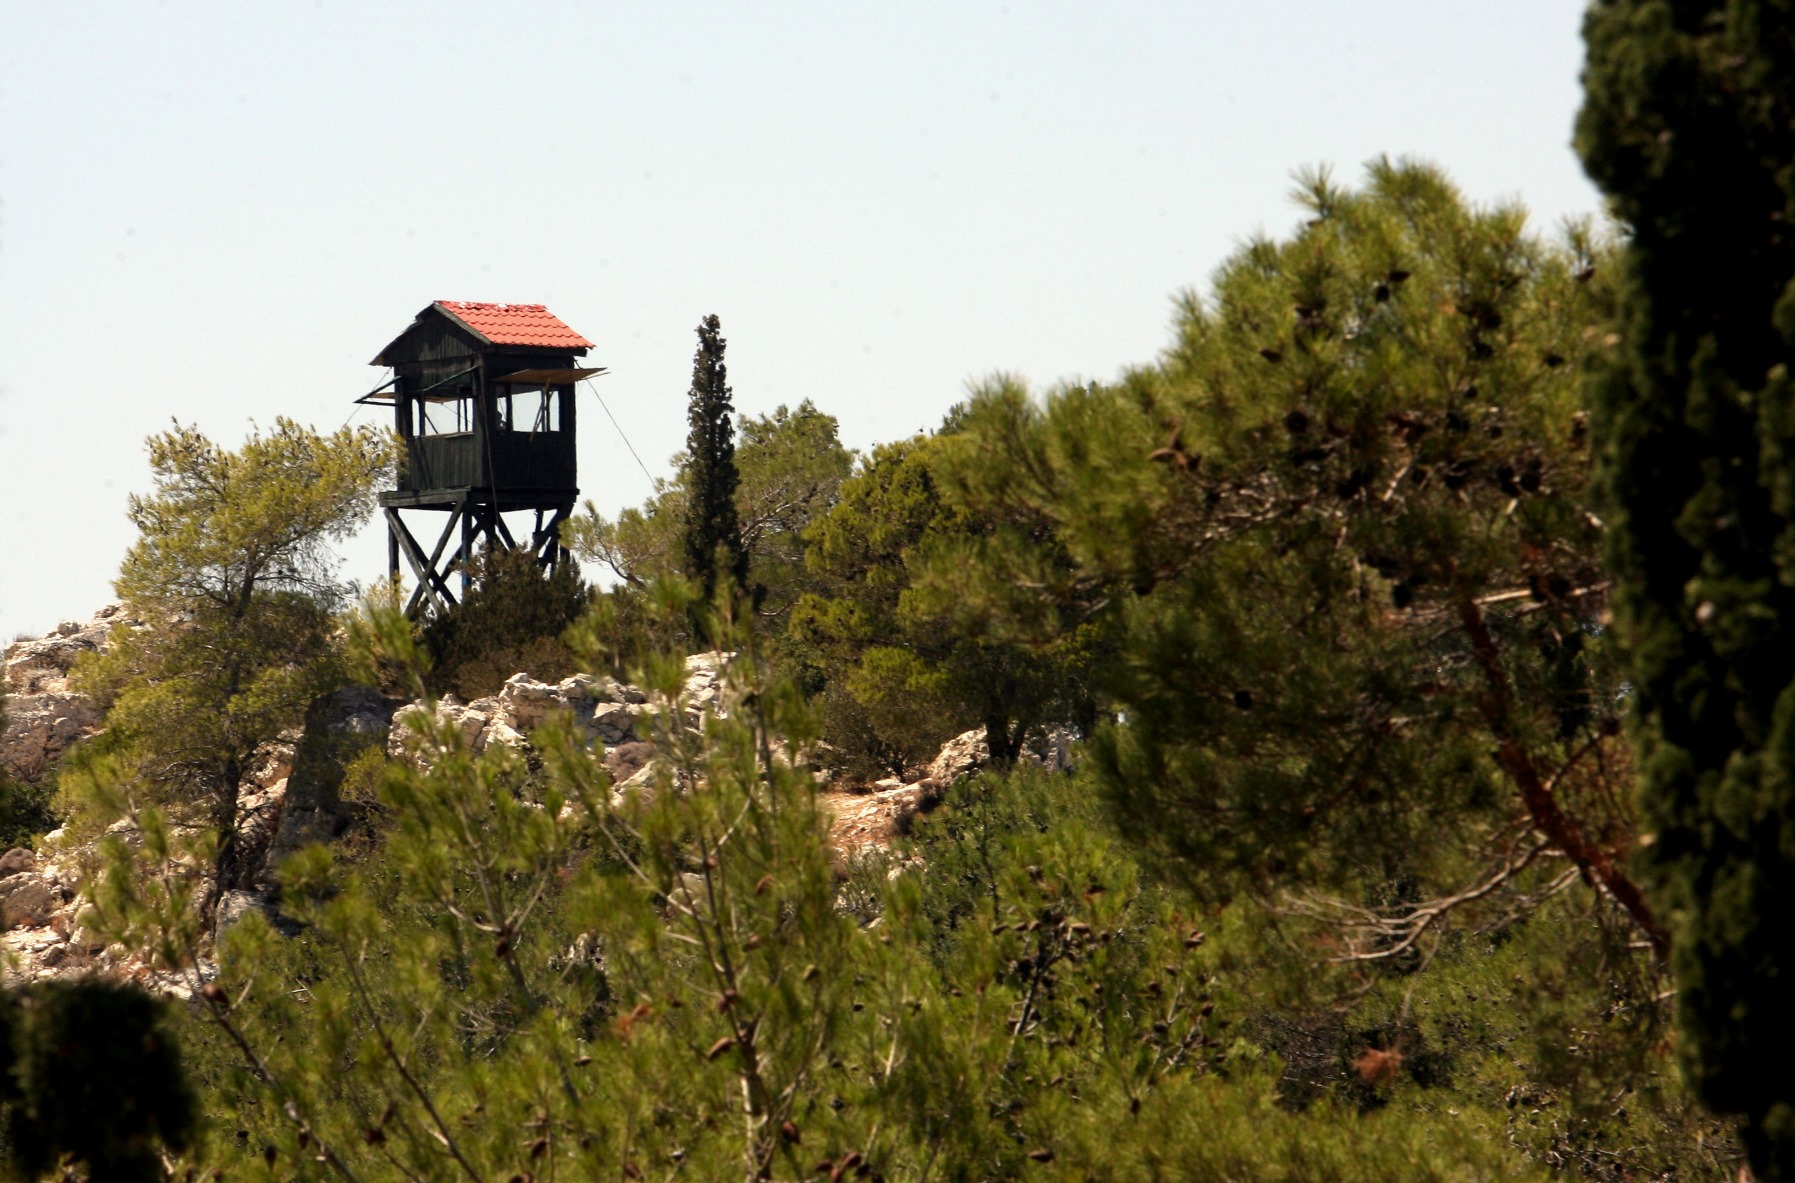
{"type": "Point", "coordinates": [1689, 126]}
{"type": "Point", "coordinates": [713, 536]}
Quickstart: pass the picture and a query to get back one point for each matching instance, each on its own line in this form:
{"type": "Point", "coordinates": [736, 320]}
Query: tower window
{"type": "Point", "coordinates": [530, 408]}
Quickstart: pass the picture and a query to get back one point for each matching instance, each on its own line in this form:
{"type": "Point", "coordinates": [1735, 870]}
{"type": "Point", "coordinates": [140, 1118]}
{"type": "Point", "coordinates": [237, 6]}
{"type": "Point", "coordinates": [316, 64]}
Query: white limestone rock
{"type": "Point", "coordinates": [1053, 749]}
{"type": "Point", "coordinates": [272, 764]}
{"type": "Point", "coordinates": [17, 861]}
{"type": "Point", "coordinates": [27, 901]}
{"type": "Point", "coordinates": [44, 717]}
{"type": "Point", "coordinates": [580, 688]}
{"type": "Point", "coordinates": [408, 737]}
{"type": "Point", "coordinates": [502, 734]}
{"type": "Point", "coordinates": [966, 753]}
{"type": "Point", "coordinates": [236, 906]}
{"type": "Point", "coordinates": [615, 722]}
{"type": "Point", "coordinates": [640, 784]}
{"type": "Point", "coordinates": [960, 757]}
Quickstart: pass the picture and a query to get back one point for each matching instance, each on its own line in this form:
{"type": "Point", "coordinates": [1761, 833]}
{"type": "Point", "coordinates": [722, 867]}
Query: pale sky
{"type": "Point", "coordinates": [219, 212]}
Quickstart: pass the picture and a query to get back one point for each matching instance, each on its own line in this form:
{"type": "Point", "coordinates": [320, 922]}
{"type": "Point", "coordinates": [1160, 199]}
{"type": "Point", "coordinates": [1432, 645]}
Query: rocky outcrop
{"type": "Point", "coordinates": [292, 794]}
{"type": "Point", "coordinates": [960, 757]}
{"type": "Point", "coordinates": [338, 728]}
{"type": "Point", "coordinates": [38, 933]}
{"type": "Point", "coordinates": [27, 901]}
{"type": "Point", "coordinates": [968, 752]}
{"type": "Point", "coordinates": [874, 817]}
{"type": "Point", "coordinates": [606, 710]}
{"type": "Point", "coordinates": [617, 719]}
{"type": "Point", "coordinates": [609, 714]}
{"type": "Point", "coordinates": [43, 717]}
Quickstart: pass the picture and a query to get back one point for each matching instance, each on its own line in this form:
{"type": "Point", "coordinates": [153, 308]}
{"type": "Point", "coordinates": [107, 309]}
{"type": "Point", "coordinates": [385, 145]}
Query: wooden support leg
{"type": "Point", "coordinates": [442, 539]}
{"type": "Point", "coordinates": [436, 587]}
{"type": "Point", "coordinates": [547, 540]}
{"type": "Point", "coordinates": [436, 555]}
{"type": "Point", "coordinates": [429, 582]}
{"type": "Point", "coordinates": [503, 535]}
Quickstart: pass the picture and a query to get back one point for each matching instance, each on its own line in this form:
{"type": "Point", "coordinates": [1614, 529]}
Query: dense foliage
{"type": "Point", "coordinates": [1342, 546]}
{"type": "Point", "coordinates": [1343, 531]}
{"type": "Point", "coordinates": [789, 466]}
{"type": "Point", "coordinates": [1340, 889]}
{"type": "Point", "coordinates": [91, 1078]}
{"type": "Point", "coordinates": [533, 975]}
{"type": "Point", "coordinates": [233, 573]}
{"type": "Point", "coordinates": [511, 618]}
{"type": "Point", "coordinates": [24, 807]}
{"type": "Point", "coordinates": [1689, 126]}
{"type": "Point", "coordinates": [917, 670]}
{"type": "Point", "coordinates": [1342, 602]}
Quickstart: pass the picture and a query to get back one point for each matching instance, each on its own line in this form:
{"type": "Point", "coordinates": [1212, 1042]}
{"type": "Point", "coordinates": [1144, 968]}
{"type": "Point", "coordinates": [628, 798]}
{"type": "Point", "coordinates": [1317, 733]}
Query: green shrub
{"type": "Point", "coordinates": [510, 620]}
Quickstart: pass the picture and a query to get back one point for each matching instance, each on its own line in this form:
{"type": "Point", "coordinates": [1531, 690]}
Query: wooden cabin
{"type": "Point", "coordinates": [483, 396]}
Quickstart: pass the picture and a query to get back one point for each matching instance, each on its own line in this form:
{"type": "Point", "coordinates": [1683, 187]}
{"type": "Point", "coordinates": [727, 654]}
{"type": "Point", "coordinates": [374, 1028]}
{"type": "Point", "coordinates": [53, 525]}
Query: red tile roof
{"type": "Point", "coordinates": [514, 324]}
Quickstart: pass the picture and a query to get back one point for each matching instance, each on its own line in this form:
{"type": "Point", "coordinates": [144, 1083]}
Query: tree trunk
{"type": "Point", "coordinates": [227, 870]}
{"type": "Point", "coordinates": [1003, 745]}
{"type": "Point", "coordinates": [1599, 865]}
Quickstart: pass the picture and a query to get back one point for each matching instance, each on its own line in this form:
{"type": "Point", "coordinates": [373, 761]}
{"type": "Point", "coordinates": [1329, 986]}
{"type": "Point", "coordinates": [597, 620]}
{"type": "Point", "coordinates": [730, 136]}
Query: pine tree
{"type": "Point", "coordinates": [534, 973]}
{"type": "Point", "coordinates": [233, 569]}
{"type": "Point", "coordinates": [1689, 126]}
{"type": "Point", "coordinates": [1341, 528]}
{"type": "Point", "coordinates": [790, 465]}
{"type": "Point", "coordinates": [922, 663]}
{"type": "Point", "coordinates": [713, 538]}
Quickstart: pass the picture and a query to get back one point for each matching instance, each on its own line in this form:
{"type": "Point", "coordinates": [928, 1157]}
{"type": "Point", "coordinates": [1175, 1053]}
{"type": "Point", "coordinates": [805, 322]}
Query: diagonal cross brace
{"type": "Point", "coordinates": [429, 582]}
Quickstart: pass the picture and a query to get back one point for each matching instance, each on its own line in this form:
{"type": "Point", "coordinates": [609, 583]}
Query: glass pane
{"type": "Point", "coordinates": [548, 411]}
{"type": "Point", "coordinates": [445, 418]}
{"type": "Point", "coordinates": [535, 409]}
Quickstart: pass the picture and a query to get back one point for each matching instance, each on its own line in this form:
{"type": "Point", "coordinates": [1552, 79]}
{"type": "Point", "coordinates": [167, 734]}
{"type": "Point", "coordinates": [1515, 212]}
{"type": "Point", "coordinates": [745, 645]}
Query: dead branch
{"type": "Point", "coordinates": [1597, 864]}
{"type": "Point", "coordinates": [1391, 932]}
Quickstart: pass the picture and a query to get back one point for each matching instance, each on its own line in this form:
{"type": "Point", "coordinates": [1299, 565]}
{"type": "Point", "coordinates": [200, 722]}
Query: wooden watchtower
{"type": "Point", "coordinates": [483, 396]}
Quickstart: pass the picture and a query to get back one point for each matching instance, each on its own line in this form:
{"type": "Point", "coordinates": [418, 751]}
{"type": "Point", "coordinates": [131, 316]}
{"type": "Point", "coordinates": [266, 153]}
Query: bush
{"type": "Point", "coordinates": [95, 1078]}
{"type": "Point", "coordinates": [25, 810]}
{"type": "Point", "coordinates": [24, 806]}
{"type": "Point", "coordinates": [511, 619]}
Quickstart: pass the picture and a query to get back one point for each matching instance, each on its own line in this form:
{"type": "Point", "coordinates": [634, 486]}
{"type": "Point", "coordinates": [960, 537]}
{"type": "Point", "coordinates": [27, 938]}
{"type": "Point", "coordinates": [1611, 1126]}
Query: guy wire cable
{"type": "Point", "coordinates": [632, 448]}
